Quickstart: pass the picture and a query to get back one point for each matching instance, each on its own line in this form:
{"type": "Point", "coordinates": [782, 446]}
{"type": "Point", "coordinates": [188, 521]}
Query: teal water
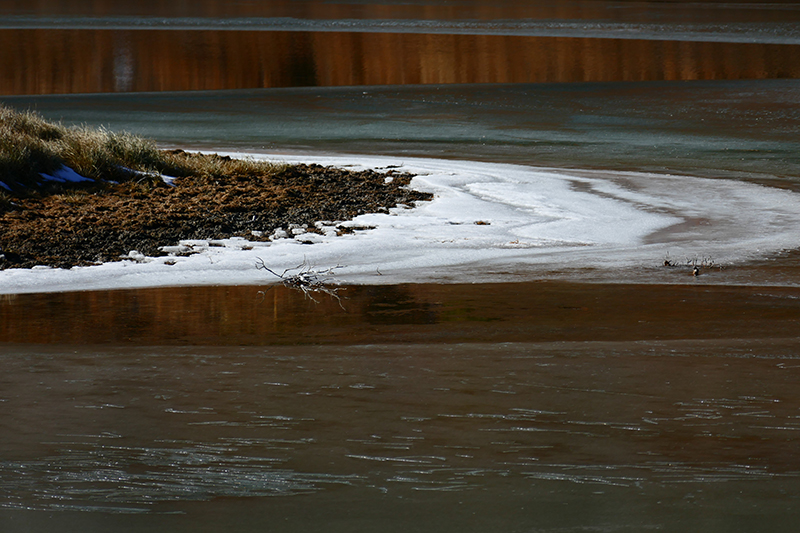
{"type": "Point", "coordinates": [744, 129]}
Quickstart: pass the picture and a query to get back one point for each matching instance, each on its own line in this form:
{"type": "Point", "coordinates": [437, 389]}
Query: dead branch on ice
{"type": "Point", "coordinates": [306, 280]}
{"type": "Point", "coordinates": [697, 266]}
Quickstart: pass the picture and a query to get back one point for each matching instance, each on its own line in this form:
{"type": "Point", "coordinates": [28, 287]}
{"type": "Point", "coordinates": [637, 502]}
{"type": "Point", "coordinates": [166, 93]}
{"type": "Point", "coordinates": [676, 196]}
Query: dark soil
{"type": "Point", "coordinates": [83, 227]}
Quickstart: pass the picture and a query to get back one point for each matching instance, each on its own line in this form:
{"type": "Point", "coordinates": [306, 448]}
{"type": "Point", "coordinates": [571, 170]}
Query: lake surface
{"type": "Point", "coordinates": [479, 437]}
{"type": "Point", "coordinates": [536, 406]}
{"type": "Point", "coordinates": [467, 437]}
{"type": "Point", "coordinates": [742, 129]}
{"type": "Point", "coordinates": [545, 406]}
{"type": "Point", "coordinates": [86, 47]}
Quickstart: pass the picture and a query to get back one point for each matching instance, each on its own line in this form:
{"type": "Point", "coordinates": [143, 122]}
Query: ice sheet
{"type": "Point", "coordinates": [487, 222]}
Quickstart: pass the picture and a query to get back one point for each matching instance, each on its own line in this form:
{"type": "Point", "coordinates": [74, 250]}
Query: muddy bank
{"type": "Point", "coordinates": [79, 227]}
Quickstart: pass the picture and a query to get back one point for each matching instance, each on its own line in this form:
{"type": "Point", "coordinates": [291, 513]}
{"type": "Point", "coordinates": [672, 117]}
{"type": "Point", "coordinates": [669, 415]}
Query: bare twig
{"type": "Point", "coordinates": [306, 280]}
{"type": "Point", "coordinates": [695, 265]}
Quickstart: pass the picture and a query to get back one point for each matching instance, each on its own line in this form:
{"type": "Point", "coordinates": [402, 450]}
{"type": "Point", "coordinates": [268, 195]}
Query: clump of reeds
{"type": "Point", "coordinates": [31, 146]}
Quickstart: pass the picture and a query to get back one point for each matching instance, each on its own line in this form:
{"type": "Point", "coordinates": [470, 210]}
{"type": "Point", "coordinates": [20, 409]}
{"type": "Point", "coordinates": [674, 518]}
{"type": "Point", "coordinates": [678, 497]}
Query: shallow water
{"type": "Point", "coordinates": [532, 312]}
{"type": "Point", "coordinates": [85, 48]}
{"type": "Point", "coordinates": [534, 407]}
{"type": "Point", "coordinates": [541, 406]}
{"type": "Point", "coordinates": [741, 129]}
{"type": "Point", "coordinates": [463, 437]}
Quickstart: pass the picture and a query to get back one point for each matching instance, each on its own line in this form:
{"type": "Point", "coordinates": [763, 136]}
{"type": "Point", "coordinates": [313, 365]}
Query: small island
{"type": "Point", "coordinates": [78, 196]}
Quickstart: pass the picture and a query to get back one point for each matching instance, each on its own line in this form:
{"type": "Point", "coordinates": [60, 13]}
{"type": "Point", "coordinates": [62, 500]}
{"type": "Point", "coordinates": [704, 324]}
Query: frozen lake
{"type": "Point", "coordinates": [555, 376]}
{"type": "Point", "coordinates": [684, 171]}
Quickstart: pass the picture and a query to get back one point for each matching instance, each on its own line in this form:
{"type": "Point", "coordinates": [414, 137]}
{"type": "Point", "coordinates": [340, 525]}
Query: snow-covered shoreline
{"type": "Point", "coordinates": [488, 222]}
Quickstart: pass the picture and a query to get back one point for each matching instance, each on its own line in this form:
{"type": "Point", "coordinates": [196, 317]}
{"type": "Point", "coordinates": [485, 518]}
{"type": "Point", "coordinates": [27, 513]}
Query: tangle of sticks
{"type": "Point", "coordinates": [306, 280]}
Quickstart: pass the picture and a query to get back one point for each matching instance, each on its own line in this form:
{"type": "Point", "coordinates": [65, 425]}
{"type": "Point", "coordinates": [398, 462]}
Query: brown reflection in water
{"type": "Point", "coordinates": [718, 11]}
{"type": "Point", "coordinates": [79, 61]}
{"type": "Point", "coordinates": [514, 312]}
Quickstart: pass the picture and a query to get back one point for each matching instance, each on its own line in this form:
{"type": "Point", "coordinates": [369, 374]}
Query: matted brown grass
{"type": "Point", "coordinates": [70, 224]}
{"type": "Point", "coordinates": [31, 146]}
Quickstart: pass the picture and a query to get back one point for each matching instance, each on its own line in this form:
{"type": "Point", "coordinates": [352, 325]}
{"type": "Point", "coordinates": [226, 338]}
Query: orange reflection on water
{"type": "Point", "coordinates": [36, 61]}
{"type": "Point", "coordinates": [657, 11]}
{"type": "Point", "coordinates": [417, 313]}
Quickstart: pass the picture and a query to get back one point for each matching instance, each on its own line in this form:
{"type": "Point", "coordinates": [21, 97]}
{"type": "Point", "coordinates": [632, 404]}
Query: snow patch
{"type": "Point", "coordinates": [169, 180]}
{"type": "Point", "coordinates": [64, 175]}
{"type": "Point", "coordinates": [543, 223]}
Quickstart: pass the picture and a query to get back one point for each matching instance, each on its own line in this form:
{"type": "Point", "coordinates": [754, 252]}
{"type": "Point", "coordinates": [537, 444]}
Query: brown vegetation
{"type": "Point", "coordinates": [30, 146]}
{"type": "Point", "coordinates": [132, 196]}
{"type": "Point", "coordinates": [81, 227]}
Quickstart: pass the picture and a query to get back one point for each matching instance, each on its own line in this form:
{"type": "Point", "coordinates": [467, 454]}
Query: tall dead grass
{"type": "Point", "coordinates": [31, 146]}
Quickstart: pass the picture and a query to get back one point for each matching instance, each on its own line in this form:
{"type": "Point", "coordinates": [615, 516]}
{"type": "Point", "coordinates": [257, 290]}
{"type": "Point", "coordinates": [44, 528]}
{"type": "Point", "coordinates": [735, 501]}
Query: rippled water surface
{"type": "Point", "coordinates": [513, 407]}
{"type": "Point", "coordinates": [500, 437]}
{"type": "Point", "coordinates": [544, 406]}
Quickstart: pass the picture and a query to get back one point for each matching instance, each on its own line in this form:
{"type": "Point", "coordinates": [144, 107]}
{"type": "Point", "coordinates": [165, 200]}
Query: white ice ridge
{"type": "Point", "coordinates": [487, 222]}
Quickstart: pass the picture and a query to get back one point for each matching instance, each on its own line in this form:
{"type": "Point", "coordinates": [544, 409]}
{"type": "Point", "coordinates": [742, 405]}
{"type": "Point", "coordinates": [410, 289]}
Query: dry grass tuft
{"type": "Point", "coordinates": [31, 146]}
